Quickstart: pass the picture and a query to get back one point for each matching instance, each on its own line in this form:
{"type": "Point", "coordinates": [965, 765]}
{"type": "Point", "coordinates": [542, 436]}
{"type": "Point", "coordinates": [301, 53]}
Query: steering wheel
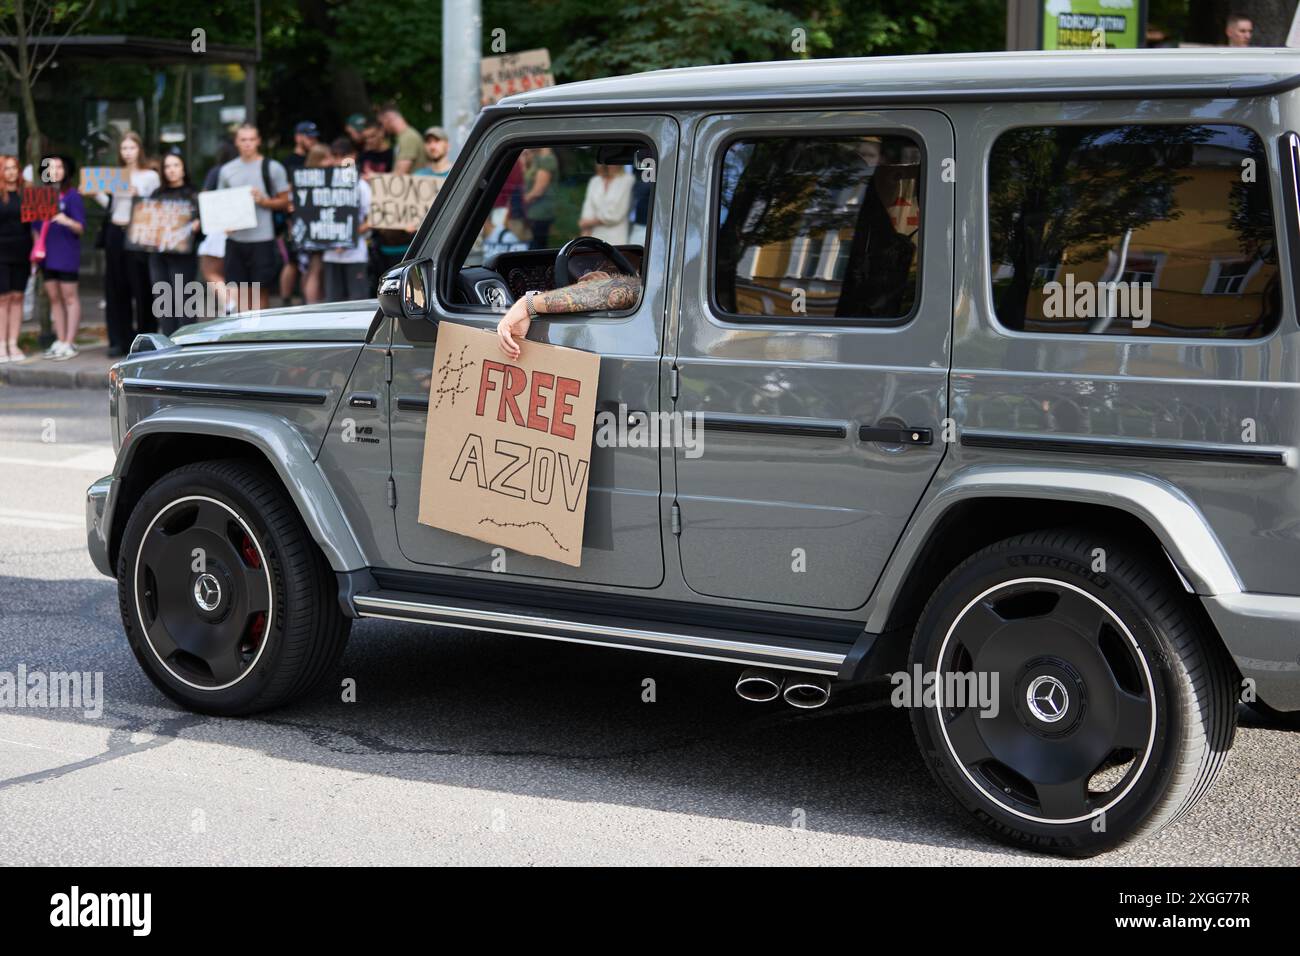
{"type": "Point", "coordinates": [562, 276]}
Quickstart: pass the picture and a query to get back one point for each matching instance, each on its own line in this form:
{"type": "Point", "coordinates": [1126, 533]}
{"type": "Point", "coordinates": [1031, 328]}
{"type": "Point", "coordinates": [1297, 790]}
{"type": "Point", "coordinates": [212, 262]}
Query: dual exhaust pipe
{"type": "Point", "coordinates": [805, 691]}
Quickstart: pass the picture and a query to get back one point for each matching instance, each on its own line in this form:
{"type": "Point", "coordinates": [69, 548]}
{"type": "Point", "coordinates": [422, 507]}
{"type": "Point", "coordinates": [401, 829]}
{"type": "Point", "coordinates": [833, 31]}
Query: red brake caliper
{"type": "Point", "coordinates": [250, 553]}
{"type": "Point", "coordinates": [255, 632]}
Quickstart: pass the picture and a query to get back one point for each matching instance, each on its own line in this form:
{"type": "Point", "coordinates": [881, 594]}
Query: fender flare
{"type": "Point", "coordinates": [284, 450]}
{"type": "Point", "coordinates": [1175, 520]}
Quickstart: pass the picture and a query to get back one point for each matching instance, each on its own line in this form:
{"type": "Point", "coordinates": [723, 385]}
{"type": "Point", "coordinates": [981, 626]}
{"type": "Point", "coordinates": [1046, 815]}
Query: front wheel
{"type": "Point", "coordinates": [227, 603]}
{"type": "Point", "coordinates": [1076, 708]}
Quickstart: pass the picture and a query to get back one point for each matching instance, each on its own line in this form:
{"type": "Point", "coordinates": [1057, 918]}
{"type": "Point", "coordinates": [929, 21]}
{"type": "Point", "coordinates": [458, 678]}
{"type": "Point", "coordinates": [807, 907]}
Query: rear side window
{"type": "Point", "coordinates": [818, 229]}
{"type": "Point", "coordinates": [1133, 231]}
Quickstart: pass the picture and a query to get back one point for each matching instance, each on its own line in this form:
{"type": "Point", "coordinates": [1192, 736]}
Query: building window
{"type": "Point", "coordinates": [1230, 276]}
{"type": "Point", "coordinates": [817, 229]}
{"type": "Point", "coordinates": [1071, 206]}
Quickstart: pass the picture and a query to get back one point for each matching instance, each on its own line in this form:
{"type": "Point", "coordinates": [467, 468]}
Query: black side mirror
{"type": "Point", "coordinates": [404, 290]}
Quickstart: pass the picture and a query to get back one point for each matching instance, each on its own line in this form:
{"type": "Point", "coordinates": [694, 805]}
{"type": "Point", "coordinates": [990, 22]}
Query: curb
{"type": "Point", "coordinates": [49, 375]}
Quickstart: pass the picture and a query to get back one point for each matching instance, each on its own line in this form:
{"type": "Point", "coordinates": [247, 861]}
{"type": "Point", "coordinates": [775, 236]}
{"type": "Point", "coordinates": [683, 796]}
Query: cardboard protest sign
{"type": "Point", "coordinates": [105, 179]}
{"type": "Point", "coordinates": [227, 209]}
{"type": "Point", "coordinates": [514, 73]}
{"type": "Point", "coordinates": [161, 225]}
{"type": "Point", "coordinates": [400, 201]}
{"type": "Point", "coordinates": [507, 446]}
{"type": "Point", "coordinates": [40, 202]}
{"type": "Point", "coordinates": [326, 207]}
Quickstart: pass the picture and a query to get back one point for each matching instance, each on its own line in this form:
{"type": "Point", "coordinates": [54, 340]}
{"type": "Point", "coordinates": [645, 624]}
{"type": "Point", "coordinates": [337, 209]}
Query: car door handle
{"type": "Point", "coordinates": [634, 415]}
{"type": "Point", "coordinates": [412, 403]}
{"type": "Point", "coordinates": [363, 400]}
{"type": "Point", "coordinates": [896, 435]}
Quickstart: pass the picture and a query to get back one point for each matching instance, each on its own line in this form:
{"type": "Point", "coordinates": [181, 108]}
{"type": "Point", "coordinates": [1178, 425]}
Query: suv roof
{"type": "Point", "coordinates": [1208, 71]}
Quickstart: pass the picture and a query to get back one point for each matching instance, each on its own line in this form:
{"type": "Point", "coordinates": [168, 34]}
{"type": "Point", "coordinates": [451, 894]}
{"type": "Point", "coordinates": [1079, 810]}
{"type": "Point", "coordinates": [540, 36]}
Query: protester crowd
{"type": "Point", "coordinates": [263, 257]}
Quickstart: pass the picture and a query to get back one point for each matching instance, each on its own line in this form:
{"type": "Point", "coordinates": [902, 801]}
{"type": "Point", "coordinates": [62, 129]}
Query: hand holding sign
{"type": "Point", "coordinates": [507, 448]}
{"type": "Point", "coordinates": [112, 180]}
{"type": "Point", "coordinates": [161, 225]}
{"type": "Point", "coordinates": [39, 202]}
{"type": "Point", "coordinates": [227, 210]}
{"type": "Point", "coordinates": [400, 202]}
{"type": "Point", "coordinates": [326, 208]}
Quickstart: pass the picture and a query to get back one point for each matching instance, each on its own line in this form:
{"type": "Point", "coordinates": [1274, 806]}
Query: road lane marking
{"type": "Point", "coordinates": [86, 458]}
{"type": "Point", "coordinates": [50, 520]}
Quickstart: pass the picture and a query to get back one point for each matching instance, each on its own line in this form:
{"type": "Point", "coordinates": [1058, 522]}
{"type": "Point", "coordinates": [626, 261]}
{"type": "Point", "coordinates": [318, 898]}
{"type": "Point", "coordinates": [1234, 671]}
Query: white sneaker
{"type": "Point", "coordinates": [5, 357]}
{"type": "Point", "coordinates": [53, 350]}
{"type": "Point", "coordinates": [68, 351]}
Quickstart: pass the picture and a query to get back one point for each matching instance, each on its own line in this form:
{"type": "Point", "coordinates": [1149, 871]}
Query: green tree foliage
{"type": "Point", "coordinates": [324, 59]}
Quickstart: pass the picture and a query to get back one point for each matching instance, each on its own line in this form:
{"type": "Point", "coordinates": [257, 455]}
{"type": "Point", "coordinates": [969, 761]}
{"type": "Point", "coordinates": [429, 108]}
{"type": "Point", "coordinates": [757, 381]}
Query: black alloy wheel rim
{"type": "Point", "coordinates": [203, 590]}
{"type": "Point", "coordinates": [1075, 720]}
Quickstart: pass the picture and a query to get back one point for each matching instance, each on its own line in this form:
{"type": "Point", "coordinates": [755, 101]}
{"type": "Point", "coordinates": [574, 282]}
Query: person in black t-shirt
{"type": "Point", "coordinates": [176, 267]}
{"type": "Point", "coordinates": [15, 258]}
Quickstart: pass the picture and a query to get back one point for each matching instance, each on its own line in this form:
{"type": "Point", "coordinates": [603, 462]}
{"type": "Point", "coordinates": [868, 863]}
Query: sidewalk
{"type": "Point", "coordinates": [88, 370]}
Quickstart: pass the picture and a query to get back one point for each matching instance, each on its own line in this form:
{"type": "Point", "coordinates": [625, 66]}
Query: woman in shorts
{"type": "Point", "coordinates": [58, 252]}
{"type": "Point", "coordinates": [15, 258]}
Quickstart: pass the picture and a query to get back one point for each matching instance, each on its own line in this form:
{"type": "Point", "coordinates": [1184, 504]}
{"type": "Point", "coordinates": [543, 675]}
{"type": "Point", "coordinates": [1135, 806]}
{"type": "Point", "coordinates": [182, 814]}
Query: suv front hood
{"type": "Point", "coordinates": [331, 322]}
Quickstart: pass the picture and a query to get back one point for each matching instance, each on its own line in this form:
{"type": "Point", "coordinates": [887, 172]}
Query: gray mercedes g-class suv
{"type": "Point", "coordinates": [998, 365]}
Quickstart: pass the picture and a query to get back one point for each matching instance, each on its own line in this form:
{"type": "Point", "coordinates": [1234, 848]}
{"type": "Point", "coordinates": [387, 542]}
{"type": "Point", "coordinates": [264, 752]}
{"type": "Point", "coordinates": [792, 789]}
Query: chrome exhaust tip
{"type": "Point", "coordinates": [759, 685]}
{"type": "Point", "coordinates": [807, 691]}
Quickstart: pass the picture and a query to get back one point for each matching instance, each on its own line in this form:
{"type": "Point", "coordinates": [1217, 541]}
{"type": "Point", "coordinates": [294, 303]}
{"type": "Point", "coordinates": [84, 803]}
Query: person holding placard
{"type": "Point", "coordinates": [15, 258]}
{"type": "Point", "coordinates": [347, 274]}
{"type": "Point", "coordinates": [309, 262]}
{"type": "Point", "coordinates": [128, 303]}
{"type": "Point", "coordinates": [252, 255]}
{"type": "Point", "coordinates": [306, 137]}
{"type": "Point", "coordinates": [212, 250]}
{"type": "Point", "coordinates": [57, 250]}
{"type": "Point", "coordinates": [180, 268]}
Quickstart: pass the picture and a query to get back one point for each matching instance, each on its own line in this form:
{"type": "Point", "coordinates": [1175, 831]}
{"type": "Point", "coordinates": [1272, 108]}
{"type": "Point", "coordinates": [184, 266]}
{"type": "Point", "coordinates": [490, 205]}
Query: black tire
{"type": "Point", "coordinates": [224, 533]}
{"type": "Point", "coordinates": [1111, 670]}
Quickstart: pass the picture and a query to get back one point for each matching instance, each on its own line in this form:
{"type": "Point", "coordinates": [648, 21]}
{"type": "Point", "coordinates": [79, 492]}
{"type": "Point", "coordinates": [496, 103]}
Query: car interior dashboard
{"type": "Point", "coordinates": [507, 276]}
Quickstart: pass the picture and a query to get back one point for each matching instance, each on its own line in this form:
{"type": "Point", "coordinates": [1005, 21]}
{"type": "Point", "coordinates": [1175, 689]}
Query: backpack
{"type": "Point", "coordinates": [279, 220]}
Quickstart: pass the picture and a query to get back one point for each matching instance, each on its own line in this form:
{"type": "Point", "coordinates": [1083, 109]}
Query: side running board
{"type": "Point", "coordinates": [737, 647]}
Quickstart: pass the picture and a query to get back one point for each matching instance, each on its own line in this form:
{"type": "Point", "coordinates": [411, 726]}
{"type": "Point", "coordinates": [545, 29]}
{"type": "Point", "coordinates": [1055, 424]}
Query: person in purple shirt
{"type": "Point", "coordinates": [62, 260]}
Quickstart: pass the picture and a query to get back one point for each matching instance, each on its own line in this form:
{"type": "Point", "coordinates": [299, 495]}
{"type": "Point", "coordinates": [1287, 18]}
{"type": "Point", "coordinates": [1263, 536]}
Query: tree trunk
{"type": "Point", "coordinates": [347, 85]}
{"type": "Point", "coordinates": [40, 303]}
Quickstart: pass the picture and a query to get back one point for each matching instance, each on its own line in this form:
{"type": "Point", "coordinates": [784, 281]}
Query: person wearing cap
{"type": "Point", "coordinates": [437, 154]}
{"type": "Point", "coordinates": [305, 136]}
{"type": "Point", "coordinates": [407, 148]}
{"type": "Point", "coordinates": [355, 127]}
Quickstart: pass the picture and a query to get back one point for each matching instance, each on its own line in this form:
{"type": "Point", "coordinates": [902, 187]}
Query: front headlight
{"type": "Point", "coordinates": [115, 376]}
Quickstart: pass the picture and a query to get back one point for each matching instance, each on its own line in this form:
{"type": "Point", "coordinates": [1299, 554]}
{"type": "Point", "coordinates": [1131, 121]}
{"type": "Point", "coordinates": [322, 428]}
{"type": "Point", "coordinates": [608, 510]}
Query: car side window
{"type": "Point", "coordinates": [817, 229]}
{"type": "Point", "coordinates": [1133, 230]}
{"type": "Point", "coordinates": [554, 193]}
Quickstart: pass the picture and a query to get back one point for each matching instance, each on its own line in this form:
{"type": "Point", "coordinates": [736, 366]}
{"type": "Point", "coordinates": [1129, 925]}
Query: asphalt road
{"type": "Point", "coordinates": [471, 748]}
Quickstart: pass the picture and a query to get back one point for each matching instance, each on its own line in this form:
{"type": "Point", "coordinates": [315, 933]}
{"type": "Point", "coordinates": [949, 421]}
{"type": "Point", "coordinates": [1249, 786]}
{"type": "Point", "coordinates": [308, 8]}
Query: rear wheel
{"type": "Point", "coordinates": [1107, 710]}
{"type": "Point", "coordinates": [227, 603]}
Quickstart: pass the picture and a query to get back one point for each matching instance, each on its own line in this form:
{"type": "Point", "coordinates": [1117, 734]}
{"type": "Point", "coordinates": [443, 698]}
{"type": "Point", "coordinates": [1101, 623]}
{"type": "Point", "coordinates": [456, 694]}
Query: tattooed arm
{"type": "Point", "coordinates": [594, 292]}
